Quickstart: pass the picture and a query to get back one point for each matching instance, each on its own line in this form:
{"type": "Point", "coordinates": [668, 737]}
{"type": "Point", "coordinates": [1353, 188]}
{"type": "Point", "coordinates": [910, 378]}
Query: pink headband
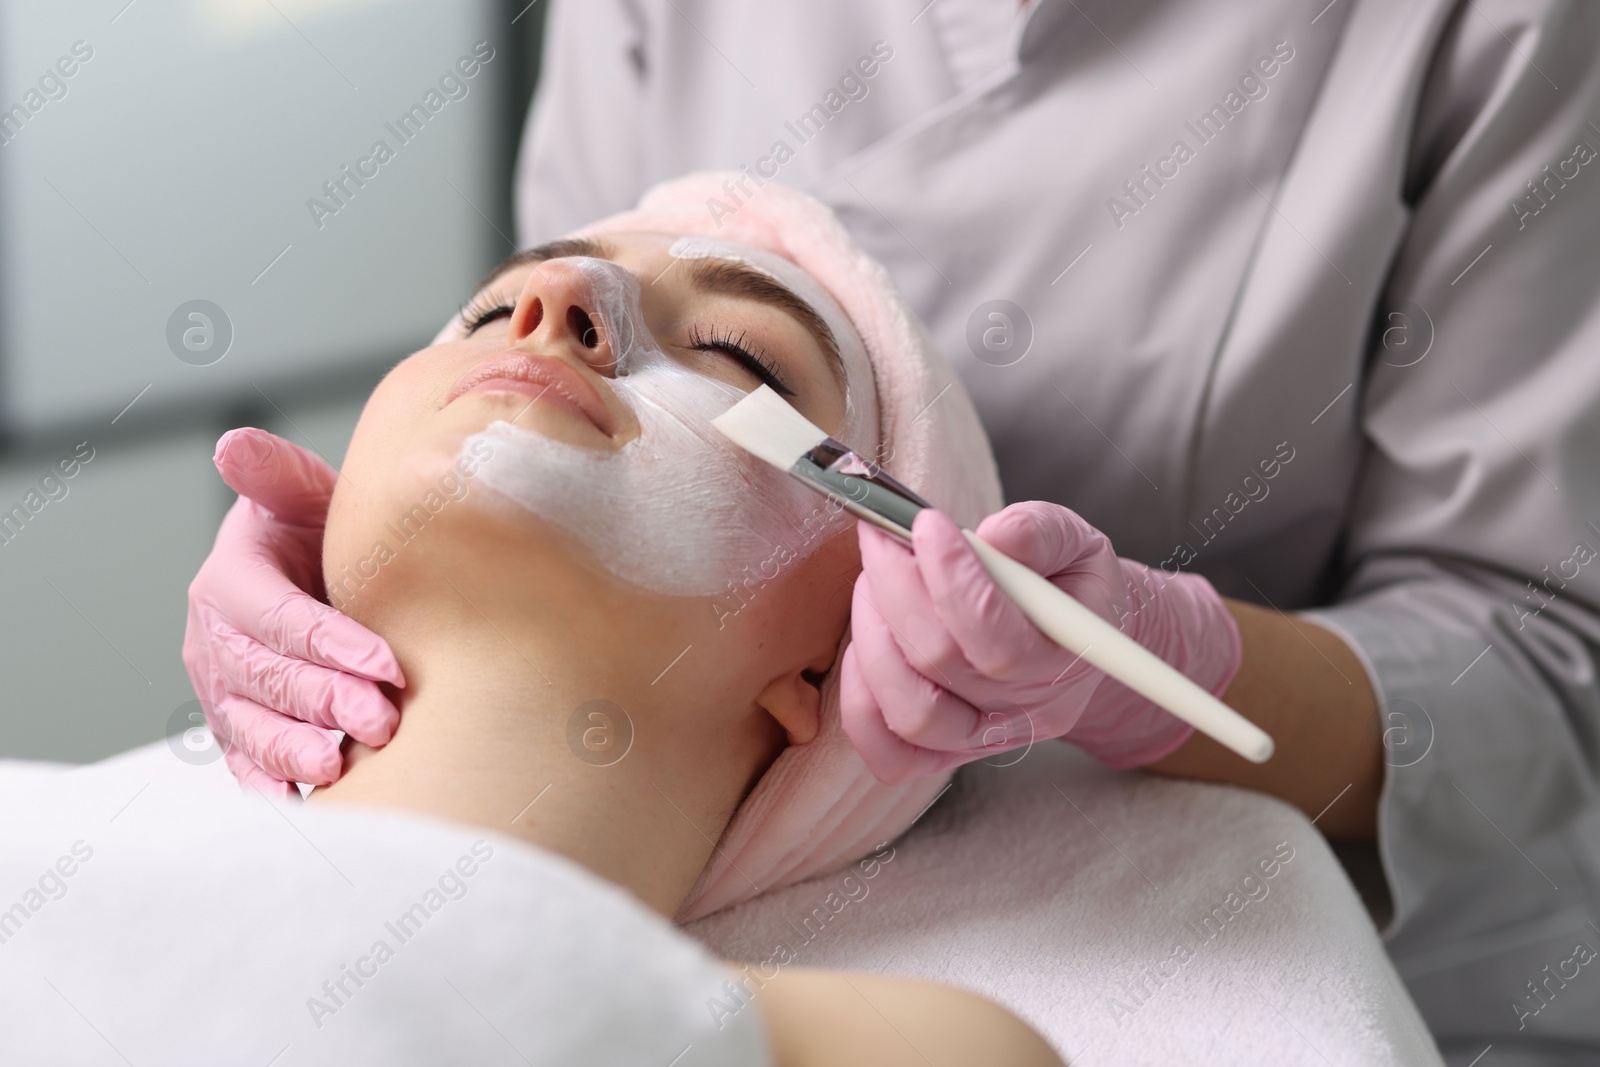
{"type": "Point", "coordinates": [818, 807]}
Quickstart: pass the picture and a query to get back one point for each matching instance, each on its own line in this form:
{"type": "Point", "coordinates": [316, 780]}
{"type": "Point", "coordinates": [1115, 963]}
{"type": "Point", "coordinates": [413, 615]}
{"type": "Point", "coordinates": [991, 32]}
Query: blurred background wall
{"type": "Point", "coordinates": [197, 232]}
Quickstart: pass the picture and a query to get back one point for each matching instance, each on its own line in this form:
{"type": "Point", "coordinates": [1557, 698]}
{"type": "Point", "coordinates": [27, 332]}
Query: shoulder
{"type": "Point", "coordinates": [843, 1018]}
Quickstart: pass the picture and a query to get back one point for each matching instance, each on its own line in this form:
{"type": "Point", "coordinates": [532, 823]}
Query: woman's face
{"type": "Point", "coordinates": [532, 348]}
{"type": "Point", "coordinates": [546, 427]}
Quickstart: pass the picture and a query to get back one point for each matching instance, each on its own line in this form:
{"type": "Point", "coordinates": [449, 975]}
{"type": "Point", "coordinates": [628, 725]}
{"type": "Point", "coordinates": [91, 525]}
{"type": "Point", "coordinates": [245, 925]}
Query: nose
{"type": "Point", "coordinates": [559, 313]}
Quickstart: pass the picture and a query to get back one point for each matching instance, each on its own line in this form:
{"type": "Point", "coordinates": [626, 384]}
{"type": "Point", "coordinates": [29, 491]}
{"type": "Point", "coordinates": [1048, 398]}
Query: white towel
{"type": "Point", "coordinates": [1128, 918]}
{"type": "Point", "coordinates": [150, 910]}
{"type": "Point", "coordinates": [1034, 896]}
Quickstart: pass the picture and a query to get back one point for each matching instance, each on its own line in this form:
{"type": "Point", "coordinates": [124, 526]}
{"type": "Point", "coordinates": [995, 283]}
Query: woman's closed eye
{"type": "Point", "coordinates": [741, 352]}
{"type": "Point", "coordinates": [483, 309]}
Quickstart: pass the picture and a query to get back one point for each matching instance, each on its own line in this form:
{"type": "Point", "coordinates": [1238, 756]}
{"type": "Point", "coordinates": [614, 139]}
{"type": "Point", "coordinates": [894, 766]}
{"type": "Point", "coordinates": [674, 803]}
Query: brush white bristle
{"type": "Point", "coordinates": [764, 425]}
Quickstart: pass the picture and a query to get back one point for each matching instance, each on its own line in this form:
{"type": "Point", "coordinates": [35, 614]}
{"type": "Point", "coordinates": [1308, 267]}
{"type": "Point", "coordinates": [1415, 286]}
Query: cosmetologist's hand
{"type": "Point", "coordinates": [943, 668]}
{"type": "Point", "coordinates": [276, 669]}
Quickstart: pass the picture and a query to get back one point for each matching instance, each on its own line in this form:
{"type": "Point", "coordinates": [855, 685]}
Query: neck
{"type": "Point", "coordinates": [518, 729]}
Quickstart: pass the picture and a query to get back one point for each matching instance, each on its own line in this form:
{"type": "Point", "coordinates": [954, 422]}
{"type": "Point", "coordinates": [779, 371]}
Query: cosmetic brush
{"type": "Point", "coordinates": [765, 425]}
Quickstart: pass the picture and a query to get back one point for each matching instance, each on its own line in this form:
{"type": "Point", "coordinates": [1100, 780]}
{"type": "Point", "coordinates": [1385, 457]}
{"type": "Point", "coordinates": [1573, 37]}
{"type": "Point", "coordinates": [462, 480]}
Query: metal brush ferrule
{"type": "Point", "coordinates": [863, 488]}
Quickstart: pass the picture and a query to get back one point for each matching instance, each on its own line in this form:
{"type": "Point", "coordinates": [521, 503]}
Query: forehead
{"type": "Point", "coordinates": [592, 247]}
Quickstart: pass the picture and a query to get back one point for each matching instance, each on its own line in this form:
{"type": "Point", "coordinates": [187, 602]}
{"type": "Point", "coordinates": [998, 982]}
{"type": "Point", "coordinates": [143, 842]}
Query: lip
{"type": "Point", "coordinates": [539, 377]}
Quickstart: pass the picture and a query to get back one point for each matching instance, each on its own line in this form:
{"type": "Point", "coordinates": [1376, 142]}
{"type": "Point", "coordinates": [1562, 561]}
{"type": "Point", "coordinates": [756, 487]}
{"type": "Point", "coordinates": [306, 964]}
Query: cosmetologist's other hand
{"type": "Point", "coordinates": [943, 668]}
{"type": "Point", "coordinates": [276, 669]}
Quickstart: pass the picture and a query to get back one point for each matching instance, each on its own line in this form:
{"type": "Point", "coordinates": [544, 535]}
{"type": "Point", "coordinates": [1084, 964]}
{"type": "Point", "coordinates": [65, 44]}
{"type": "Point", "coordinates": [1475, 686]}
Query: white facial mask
{"type": "Point", "coordinates": [679, 509]}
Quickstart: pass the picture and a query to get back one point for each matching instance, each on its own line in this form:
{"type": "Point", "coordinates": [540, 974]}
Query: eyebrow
{"type": "Point", "coordinates": [722, 277]}
{"type": "Point", "coordinates": [719, 277]}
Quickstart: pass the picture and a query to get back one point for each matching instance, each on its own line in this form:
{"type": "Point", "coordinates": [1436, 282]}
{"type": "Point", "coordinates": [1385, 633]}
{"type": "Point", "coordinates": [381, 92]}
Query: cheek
{"type": "Point", "coordinates": [388, 466]}
{"type": "Point", "coordinates": [805, 608]}
{"type": "Point", "coordinates": [339, 534]}
{"type": "Point", "coordinates": [346, 539]}
{"type": "Point", "coordinates": [396, 410]}
{"type": "Point", "coordinates": [406, 439]}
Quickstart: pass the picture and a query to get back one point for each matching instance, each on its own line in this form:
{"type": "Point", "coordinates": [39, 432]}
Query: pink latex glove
{"type": "Point", "coordinates": [943, 668]}
{"type": "Point", "coordinates": [275, 668]}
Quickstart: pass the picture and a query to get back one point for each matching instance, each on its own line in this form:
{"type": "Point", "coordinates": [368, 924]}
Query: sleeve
{"type": "Point", "coordinates": [1473, 587]}
{"type": "Point", "coordinates": [582, 152]}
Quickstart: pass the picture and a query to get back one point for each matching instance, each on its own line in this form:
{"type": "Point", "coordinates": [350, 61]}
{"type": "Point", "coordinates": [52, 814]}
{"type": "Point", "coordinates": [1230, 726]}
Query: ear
{"type": "Point", "coordinates": [795, 701]}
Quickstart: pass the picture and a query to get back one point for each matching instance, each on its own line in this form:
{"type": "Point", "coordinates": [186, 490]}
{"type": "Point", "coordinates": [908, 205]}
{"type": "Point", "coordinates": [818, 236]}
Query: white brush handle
{"type": "Point", "coordinates": [1077, 629]}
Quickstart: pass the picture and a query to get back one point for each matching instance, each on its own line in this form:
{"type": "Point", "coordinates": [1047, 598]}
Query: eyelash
{"type": "Point", "coordinates": [483, 309]}
{"type": "Point", "coordinates": [754, 362]}
{"type": "Point", "coordinates": [488, 307]}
